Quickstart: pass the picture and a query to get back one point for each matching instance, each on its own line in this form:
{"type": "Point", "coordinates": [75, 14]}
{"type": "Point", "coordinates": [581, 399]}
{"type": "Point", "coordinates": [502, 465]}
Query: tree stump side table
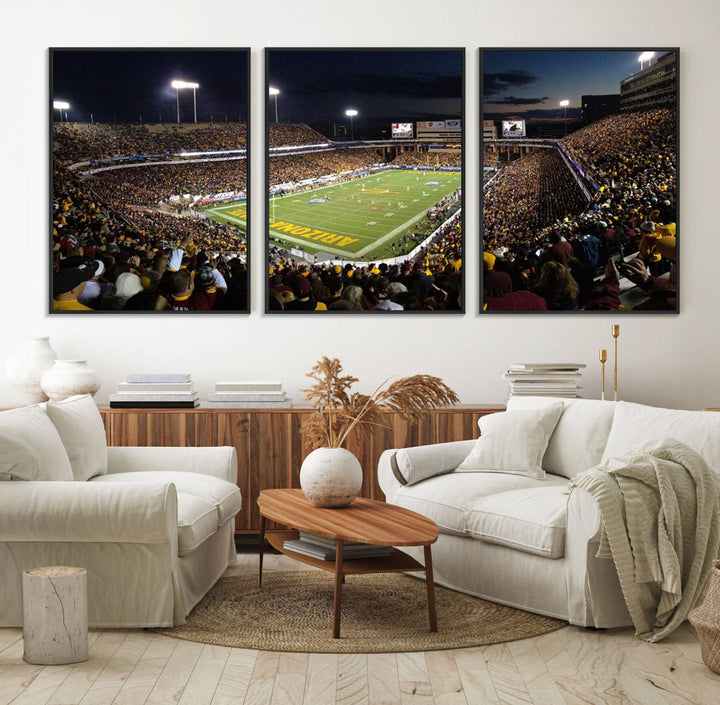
{"type": "Point", "coordinates": [55, 624]}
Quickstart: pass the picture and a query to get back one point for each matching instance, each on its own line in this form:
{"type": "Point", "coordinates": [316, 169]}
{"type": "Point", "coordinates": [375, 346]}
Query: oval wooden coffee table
{"type": "Point", "coordinates": [366, 521]}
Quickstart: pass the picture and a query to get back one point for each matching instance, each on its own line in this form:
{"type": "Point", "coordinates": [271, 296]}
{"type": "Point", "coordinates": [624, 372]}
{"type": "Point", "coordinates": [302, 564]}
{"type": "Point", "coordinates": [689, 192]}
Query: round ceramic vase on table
{"type": "Point", "coordinates": [331, 477]}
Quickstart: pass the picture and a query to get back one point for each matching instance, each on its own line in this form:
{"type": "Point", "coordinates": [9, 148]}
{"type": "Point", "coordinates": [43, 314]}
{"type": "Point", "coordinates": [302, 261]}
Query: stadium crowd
{"type": "Point", "coordinates": [293, 168]}
{"type": "Point", "coordinates": [283, 134]}
{"type": "Point", "coordinates": [430, 282]}
{"type": "Point", "coordinates": [528, 194]}
{"type": "Point", "coordinates": [139, 256]}
{"type": "Point", "coordinates": [431, 160]}
{"type": "Point", "coordinates": [147, 185]}
{"type": "Point", "coordinates": [545, 248]}
{"type": "Point", "coordinates": [77, 142]}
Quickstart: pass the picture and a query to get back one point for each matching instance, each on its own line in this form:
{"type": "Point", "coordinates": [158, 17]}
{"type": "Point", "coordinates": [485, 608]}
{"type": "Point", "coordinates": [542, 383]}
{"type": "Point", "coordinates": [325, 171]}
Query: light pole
{"type": "Point", "coordinates": [646, 56]}
{"type": "Point", "coordinates": [351, 113]}
{"type": "Point", "coordinates": [61, 105]}
{"type": "Point", "coordinates": [275, 92]}
{"type": "Point", "coordinates": [564, 104]}
{"type": "Point", "coordinates": [177, 85]}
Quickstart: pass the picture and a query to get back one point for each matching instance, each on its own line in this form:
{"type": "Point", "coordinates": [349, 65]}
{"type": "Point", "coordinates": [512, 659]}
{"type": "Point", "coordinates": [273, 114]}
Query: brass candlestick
{"type": "Point", "coordinates": [615, 330]}
{"type": "Point", "coordinates": [603, 360]}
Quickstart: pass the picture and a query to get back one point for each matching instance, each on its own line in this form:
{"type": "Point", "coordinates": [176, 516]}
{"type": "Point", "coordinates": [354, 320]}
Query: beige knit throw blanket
{"type": "Point", "coordinates": [660, 524]}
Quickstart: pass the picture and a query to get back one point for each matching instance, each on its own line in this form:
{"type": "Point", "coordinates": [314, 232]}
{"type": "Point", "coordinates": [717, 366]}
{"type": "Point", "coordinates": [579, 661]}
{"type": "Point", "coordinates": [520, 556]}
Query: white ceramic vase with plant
{"type": "Point", "coordinates": [331, 476]}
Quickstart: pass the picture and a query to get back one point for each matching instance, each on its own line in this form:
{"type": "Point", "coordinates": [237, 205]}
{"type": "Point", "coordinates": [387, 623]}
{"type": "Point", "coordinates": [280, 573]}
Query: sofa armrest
{"type": "Point", "coordinates": [219, 461]}
{"type": "Point", "coordinates": [406, 466]}
{"type": "Point", "coordinates": [583, 518]}
{"type": "Point", "coordinates": [594, 594]}
{"type": "Point", "coordinates": [88, 512]}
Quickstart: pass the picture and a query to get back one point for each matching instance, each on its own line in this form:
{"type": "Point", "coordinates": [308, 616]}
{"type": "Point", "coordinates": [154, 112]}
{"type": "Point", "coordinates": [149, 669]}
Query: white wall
{"type": "Point", "coordinates": [664, 359]}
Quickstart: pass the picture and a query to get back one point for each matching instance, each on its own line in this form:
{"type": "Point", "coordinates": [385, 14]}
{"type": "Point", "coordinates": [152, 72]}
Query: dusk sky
{"type": "Point", "coordinates": [317, 86]}
{"type": "Point", "coordinates": [531, 84]}
{"type": "Point", "coordinates": [124, 84]}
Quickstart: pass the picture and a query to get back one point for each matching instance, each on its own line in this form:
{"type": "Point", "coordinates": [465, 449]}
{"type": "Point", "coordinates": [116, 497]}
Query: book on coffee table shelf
{"type": "Point", "coordinates": [323, 548]}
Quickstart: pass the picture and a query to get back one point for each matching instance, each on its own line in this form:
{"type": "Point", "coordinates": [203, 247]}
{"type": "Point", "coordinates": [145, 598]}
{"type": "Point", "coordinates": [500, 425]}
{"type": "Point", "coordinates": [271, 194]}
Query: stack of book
{"type": "Point", "coordinates": [546, 379]}
{"type": "Point", "coordinates": [155, 391]}
{"type": "Point", "coordinates": [247, 395]}
{"type": "Point", "coordinates": [323, 548]}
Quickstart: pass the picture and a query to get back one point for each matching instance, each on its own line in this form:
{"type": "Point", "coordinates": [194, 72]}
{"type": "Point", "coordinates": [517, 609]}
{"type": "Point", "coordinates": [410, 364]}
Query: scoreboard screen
{"type": "Point", "coordinates": [402, 130]}
{"type": "Point", "coordinates": [513, 128]}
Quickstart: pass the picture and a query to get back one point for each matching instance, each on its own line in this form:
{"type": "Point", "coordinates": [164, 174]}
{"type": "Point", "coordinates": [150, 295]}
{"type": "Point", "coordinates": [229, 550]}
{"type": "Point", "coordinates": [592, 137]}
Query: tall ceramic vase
{"type": "Point", "coordinates": [331, 477]}
{"type": "Point", "coordinates": [66, 378]}
{"type": "Point", "coordinates": [25, 367]}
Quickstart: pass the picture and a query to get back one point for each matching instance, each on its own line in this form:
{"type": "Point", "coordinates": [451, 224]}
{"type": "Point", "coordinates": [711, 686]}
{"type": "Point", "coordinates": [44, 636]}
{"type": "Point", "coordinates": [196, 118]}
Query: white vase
{"type": "Point", "coordinates": [25, 366]}
{"type": "Point", "coordinates": [66, 378]}
{"type": "Point", "coordinates": [331, 477]}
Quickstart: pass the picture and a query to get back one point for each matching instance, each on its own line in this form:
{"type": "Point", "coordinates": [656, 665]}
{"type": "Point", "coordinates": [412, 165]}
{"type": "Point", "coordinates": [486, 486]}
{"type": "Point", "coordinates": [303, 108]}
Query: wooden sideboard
{"type": "Point", "coordinates": [270, 443]}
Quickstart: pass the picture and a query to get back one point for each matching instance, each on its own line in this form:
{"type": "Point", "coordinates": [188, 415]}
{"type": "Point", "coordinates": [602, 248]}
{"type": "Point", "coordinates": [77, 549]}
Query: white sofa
{"type": "Point", "coordinates": [528, 541]}
{"type": "Point", "coordinates": [154, 527]}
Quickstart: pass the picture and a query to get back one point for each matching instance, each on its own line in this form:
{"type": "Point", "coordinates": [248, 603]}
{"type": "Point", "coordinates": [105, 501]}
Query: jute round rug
{"type": "Point", "coordinates": [380, 613]}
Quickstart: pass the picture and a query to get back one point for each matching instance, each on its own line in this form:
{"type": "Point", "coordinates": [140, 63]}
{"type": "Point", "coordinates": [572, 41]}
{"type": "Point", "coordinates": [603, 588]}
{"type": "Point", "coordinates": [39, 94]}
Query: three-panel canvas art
{"type": "Point", "coordinates": [365, 181]}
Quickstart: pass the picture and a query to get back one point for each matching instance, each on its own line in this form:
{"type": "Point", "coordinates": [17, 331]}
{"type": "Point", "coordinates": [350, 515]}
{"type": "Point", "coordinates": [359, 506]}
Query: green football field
{"type": "Point", "coordinates": [358, 219]}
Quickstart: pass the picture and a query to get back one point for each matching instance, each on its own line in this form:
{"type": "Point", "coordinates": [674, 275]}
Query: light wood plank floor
{"type": "Point", "coordinates": [567, 667]}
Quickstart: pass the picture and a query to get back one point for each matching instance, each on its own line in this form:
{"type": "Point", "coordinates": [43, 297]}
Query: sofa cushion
{"type": "Point", "coordinates": [446, 499]}
{"type": "Point", "coordinates": [635, 423]}
{"type": "Point", "coordinates": [532, 520]}
{"type": "Point", "coordinates": [81, 429]}
{"type": "Point", "coordinates": [197, 521]}
{"type": "Point", "coordinates": [223, 495]}
{"type": "Point", "coordinates": [580, 437]}
{"type": "Point", "coordinates": [513, 442]}
{"type": "Point", "coordinates": [421, 462]}
{"type": "Point", "coordinates": [30, 447]}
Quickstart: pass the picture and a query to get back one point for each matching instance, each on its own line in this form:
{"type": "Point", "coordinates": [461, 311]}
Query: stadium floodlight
{"type": "Point", "coordinates": [564, 104]}
{"type": "Point", "coordinates": [646, 56]}
{"type": "Point", "coordinates": [178, 85]}
{"type": "Point", "coordinates": [351, 113]}
{"type": "Point", "coordinates": [61, 105]}
{"type": "Point", "coordinates": [275, 92]}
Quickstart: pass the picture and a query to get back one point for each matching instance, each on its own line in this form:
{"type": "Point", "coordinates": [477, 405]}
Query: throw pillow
{"type": "Point", "coordinates": [579, 439]}
{"type": "Point", "coordinates": [81, 429]}
{"type": "Point", "coordinates": [513, 442]}
{"type": "Point", "coordinates": [30, 447]}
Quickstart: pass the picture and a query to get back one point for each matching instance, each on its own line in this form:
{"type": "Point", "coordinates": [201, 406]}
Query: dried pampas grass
{"type": "Point", "coordinates": [338, 411]}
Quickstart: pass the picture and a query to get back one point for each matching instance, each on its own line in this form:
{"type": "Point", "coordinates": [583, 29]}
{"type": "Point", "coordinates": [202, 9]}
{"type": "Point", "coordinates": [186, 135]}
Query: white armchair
{"type": "Point", "coordinates": [154, 532]}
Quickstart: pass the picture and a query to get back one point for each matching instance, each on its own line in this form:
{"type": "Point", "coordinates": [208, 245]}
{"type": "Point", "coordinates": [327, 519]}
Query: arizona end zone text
{"type": "Point", "coordinates": [310, 234]}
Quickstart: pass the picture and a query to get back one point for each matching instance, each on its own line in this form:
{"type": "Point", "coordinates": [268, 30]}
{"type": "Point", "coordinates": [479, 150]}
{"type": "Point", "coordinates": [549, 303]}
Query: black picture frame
{"type": "Point", "coordinates": [628, 128]}
{"type": "Point", "coordinates": [315, 72]}
{"type": "Point", "coordinates": [126, 116]}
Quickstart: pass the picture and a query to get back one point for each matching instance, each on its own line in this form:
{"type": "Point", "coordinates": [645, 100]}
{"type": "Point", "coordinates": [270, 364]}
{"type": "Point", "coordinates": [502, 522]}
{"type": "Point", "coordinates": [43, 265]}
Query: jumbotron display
{"type": "Point", "coordinates": [513, 128]}
{"type": "Point", "coordinates": [580, 182]}
{"type": "Point", "coordinates": [402, 130]}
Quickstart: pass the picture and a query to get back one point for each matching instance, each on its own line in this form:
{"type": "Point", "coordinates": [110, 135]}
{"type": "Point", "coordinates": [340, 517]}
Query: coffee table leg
{"type": "Point", "coordinates": [430, 588]}
{"type": "Point", "coordinates": [261, 548]}
{"type": "Point", "coordinates": [337, 597]}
